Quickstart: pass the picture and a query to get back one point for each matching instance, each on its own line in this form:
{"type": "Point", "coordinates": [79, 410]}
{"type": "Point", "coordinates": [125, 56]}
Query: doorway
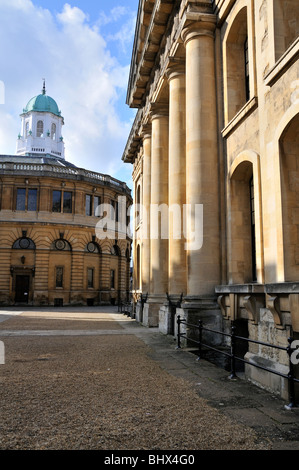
{"type": "Point", "coordinates": [22, 288]}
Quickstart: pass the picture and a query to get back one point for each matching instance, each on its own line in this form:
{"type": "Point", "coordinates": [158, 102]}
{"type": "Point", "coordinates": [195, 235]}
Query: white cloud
{"type": "Point", "coordinates": [81, 75]}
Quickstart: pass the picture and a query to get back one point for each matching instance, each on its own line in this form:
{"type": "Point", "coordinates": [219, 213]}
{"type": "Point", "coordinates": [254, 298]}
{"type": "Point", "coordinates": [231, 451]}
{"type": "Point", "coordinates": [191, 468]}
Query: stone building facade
{"type": "Point", "coordinates": [216, 87]}
{"type": "Point", "coordinates": [54, 249]}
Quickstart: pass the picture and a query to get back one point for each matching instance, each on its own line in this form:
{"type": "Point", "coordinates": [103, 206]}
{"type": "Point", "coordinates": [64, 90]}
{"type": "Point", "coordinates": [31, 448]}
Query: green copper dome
{"type": "Point", "coordinates": [42, 103]}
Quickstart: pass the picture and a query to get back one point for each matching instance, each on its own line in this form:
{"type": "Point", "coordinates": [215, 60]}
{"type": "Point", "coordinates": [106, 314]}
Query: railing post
{"type": "Point", "coordinates": [291, 376]}
{"type": "Point", "coordinates": [233, 352]}
{"type": "Point", "coordinates": [199, 338]}
{"type": "Point", "coordinates": [179, 331]}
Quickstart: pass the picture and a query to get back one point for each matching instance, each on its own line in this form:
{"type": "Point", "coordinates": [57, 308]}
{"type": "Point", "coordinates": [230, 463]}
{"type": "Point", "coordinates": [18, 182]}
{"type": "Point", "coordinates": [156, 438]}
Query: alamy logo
{"type": "Point", "coordinates": [295, 353]}
{"type": "Point", "coordinates": [2, 93]}
{"type": "Point", "coordinates": [2, 353]}
{"type": "Point", "coordinates": [159, 221]}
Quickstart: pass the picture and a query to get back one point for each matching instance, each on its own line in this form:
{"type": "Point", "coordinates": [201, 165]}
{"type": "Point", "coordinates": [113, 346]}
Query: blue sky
{"type": "Point", "coordinates": [83, 49]}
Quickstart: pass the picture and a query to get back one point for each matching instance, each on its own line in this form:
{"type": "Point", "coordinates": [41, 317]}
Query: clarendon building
{"type": "Point", "coordinates": [51, 251]}
{"type": "Point", "coordinates": [215, 155]}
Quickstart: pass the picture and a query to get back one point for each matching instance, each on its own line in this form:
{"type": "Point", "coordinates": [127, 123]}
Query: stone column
{"type": "Point", "coordinates": [146, 211]}
{"type": "Point", "coordinates": [202, 181]}
{"type": "Point", "coordinates": [159, 196]}
{"type": "Point", "coordinates": [177, 179]}
{"type": "Point", "coordinates": [158, 224]}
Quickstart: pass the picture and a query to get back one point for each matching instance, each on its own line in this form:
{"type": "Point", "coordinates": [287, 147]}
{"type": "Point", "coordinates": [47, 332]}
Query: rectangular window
{"type": "Point", "coordinates": [32, 199]}
{"type": "Point", "coordinates": [67, 202]}
{"type": "Point", "coordinates": [112, 279]}
{"type": "Point", "coordinates": [253, 247]}
{"type": "Point", "coordinates": [96, 204]}
{"type": "Point", "coordinates": [114, 211]}
{"type": "Point", "coordinates": [21, 199]}
{"type": "Point", "coordinates": [56, 201]}
{"type": "Point", "coordinates": [62, 202]}
{"type": "Point", "coordinates": [246, 59]}
{"type": "Point", "coordinates": [59, 277]}
{"type": "Point", "coordinates": [90, 278]}
{"type": "Point", "coordinates": [88, 204]}
{"type": "Point", "coordinates": [26, 199]}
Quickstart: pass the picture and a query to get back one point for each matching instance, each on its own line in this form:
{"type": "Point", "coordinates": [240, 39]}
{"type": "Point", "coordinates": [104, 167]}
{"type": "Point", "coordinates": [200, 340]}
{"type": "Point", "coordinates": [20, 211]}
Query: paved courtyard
{"type": "Point", "coordinates": [91, 379]}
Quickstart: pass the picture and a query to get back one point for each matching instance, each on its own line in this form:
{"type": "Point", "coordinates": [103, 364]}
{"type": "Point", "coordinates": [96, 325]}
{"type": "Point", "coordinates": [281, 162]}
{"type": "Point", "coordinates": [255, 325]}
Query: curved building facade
{"type": "Point", "coordinates": [52, 251]}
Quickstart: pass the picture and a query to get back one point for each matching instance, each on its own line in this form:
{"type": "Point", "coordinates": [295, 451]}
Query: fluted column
{"type": "Point", "coordinates": [202, 156]}
{"type": "Point", "coordinates": [177, 178]}
{"type": "Point", "coordinates": [159, 196]}
{"type": "Point", "coordinates": [146, 211]}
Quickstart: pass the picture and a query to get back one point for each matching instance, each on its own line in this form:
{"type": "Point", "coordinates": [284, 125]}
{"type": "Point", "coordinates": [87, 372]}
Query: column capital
{"type": "Point", "coordinates": [158, 110]}
{"type": "Point", "coordinates": [176, 67]}
{"type": "Point", "coordinates": [198, 24]}
{"type": "Point", "coordinates": [146, 131]}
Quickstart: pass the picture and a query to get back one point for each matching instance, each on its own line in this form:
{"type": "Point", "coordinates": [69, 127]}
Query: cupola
{"type": "Point", "coordinates": [41, 128]}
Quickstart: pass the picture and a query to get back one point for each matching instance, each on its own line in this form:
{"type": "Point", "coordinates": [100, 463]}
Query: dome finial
{"type": "Point", "coordinates": [44, 87]}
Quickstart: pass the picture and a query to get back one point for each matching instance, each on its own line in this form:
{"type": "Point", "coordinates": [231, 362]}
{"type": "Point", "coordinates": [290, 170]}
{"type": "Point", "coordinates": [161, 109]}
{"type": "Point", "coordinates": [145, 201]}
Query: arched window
{"type": "Point", "coordinates": [138, 204]}
{"type": "Point", "coordinates": [138, 270]}
{"type": "Point", "coordinates": [243, 235]}
{"type": "Point", "coordinates": [237, 64]}
{"type": "Point", "coordinates": [53, 131]}
{"type": "Point", "coordinates": [115, 250]}
{"type": "Point", "coordinates": [40, 129]}
{"type": "Point", "coordinates": [93, 247]}
{"type": "Point", "coordinates": [24, 243]}
{"type": "Point", "coordinates": [27, 129]}
{"type": "Point", "coordinates": [286, 25]}
{"type": "Point", "coordinates": [61, 245]}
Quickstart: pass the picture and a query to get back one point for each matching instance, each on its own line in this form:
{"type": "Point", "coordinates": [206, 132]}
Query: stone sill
{"type": "Point", "coordinates": [240, 289]}
{"type": "Point", "coordinates": [275, 288]}
{"type": "Point", "coordinates": [240, 116]}
{"type": "Point", "coordinates": [282, 64]}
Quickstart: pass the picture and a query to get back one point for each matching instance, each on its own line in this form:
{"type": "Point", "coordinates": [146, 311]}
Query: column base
{"type": "Point", "coordinates": [151, 310]}
{"type": "Point", "coordinates": [139, 312]}
{"type": "Point", "coordinates": [205, 308]}
{"type": "Point", "coordinates": [271, 382]}
{"type": "Point", "coordinates": [167, 314]}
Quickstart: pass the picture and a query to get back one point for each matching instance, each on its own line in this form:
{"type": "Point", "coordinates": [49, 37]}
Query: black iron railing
{"type": "Point", "coordinates": [289, 350]}
{"type": "Point", "coordinates": [125, 308]}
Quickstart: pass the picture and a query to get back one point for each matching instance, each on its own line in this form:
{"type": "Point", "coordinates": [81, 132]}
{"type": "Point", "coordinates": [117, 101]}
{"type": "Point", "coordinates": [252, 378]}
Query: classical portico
{"type": "Point", "coordinates": [176, 130]}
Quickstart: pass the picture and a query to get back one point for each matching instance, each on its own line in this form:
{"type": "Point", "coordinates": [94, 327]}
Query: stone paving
{"type": "Point", "coordinates": [240, 402]}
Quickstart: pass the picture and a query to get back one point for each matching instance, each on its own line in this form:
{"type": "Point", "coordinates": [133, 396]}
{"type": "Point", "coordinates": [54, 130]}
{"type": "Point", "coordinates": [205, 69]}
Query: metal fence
{"type": "Point", "coordinates": [289, 350]}
{"type": "Point", "coordinates": [125, 308]}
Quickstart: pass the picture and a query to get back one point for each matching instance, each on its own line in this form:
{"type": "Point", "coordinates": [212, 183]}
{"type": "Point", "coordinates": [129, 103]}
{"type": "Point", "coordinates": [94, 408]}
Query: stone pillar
{"type": "Point", "coordinates": [158, 225]}
{"type": "Point", "coordinates": [159, 196]}
{"type": "Point", "coordinates": [202, 181]}
{"type": "Point", "coordinates": [177, 179]}
{"type": "Point", "coordinates": [146, 212]}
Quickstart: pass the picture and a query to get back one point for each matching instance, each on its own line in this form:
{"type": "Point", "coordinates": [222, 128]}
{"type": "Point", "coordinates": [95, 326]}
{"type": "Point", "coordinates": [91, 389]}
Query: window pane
{"type": "Point", "coordinates": [56, 206]}
{"type": "Point", "coordinates": [53, 131]}
{"type": "Point", "coordinates": [32, 199]}
{"type": "Point", "coordinates": [21, 199]}
{"type": "Point", "coordinates": [90, 277]}
{"type": "Point", "coordinates": [97, 203]}
{"type": "Point", "coordinates": [59, 277]}
{"type": "Point", "coordinates": [88, 204]}
{"type": "Point", "coordinates": [112, 278]}
{"type": "Point", "coordinates": [40, 129]}
{"type": "Point", "coordinates": [67, 202]}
